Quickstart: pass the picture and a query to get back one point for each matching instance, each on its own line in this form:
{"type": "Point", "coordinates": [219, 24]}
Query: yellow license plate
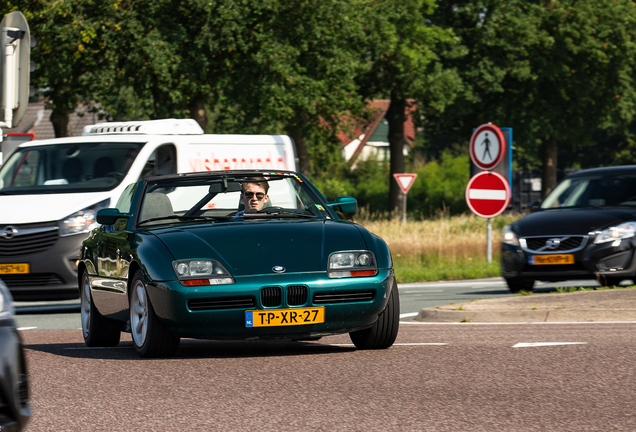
{"type": "Point", "coordinates": [20, 268]}
{"type": "Point", "coordinates": [284, 317]}
{"type": "Point", "coordinates": [551, 259]}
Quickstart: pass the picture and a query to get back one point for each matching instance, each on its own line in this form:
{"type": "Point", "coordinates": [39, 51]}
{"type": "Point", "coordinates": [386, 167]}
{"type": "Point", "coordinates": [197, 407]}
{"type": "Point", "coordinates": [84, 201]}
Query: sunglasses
{"type": "Point", "coordinates": [259, 195]}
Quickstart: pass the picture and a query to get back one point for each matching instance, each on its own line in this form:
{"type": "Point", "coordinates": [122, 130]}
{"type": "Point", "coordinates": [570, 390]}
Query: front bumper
{"type": "Point", "coordinates": [14, 394]}
{"type": "Point", "coordinates": [612, 259]}
{"type": "Point", "coordinates": [170, 301]}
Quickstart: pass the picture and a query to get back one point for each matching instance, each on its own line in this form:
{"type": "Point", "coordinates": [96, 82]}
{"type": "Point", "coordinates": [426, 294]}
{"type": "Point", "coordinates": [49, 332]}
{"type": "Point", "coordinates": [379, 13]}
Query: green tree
{"type": "Point", "coordinates": [405, 53]}
{"type": "Point", "coordinates": [557, 72]}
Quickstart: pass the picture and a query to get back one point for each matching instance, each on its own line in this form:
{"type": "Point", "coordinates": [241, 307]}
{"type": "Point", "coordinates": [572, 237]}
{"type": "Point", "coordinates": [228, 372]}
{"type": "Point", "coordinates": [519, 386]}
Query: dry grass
{"type": "Point", "coordinates": [441, 248]}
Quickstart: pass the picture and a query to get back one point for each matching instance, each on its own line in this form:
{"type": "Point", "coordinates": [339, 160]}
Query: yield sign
{"type": "Point", "coordinates": [405, 181]}
{"type": "Point", "coordinates": [487, 146]}
{"type": "Point", "coordinates": [488, 194]}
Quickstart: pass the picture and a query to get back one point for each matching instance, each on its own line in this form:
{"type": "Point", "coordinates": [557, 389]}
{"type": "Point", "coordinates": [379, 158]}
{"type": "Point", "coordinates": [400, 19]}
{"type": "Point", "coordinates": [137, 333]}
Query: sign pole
{"type": "Point", "coordinates": [404, 215]}
{"type": "Point", "coordinates": [489, 242]}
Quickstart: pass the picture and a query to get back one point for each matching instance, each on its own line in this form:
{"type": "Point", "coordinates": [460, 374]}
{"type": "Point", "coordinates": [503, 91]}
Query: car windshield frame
{"type": "Point", "coordinates": [593, 191]}
{"type": "Point", "coordinates": [215, 197]}
{"type": "Point", "coordinates": [77, 167]}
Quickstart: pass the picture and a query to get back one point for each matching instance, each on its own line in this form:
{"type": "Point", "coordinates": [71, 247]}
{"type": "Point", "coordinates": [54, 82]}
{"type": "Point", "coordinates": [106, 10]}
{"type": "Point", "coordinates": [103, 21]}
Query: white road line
{"type": "Point", "coordinates": [421, 291]}
{"type": "Point", "coordinates": [410, 314]}
{"type": "Point", "coordinates": [516, 323]}
{"type": "Point", "coordinates": [537, 344]}
{"type": "Point", "coordinates": [26, 328]}
{"type": "Point", "coordinates": [98, 348]}
{"type": "Point", "coordinates": [395, 344]}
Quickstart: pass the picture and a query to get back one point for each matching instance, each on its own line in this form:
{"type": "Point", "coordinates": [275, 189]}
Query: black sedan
{"type": "Point", "coordinates": [584, 229]}
{"type": "Point", "coordinates": [14, 392]}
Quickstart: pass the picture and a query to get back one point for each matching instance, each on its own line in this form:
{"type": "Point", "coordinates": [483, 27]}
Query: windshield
{"type": "Point", "coordinates": [63, 168]}
{"type": "Point", "coordinates": [593, 191]}
{"type": "Point", "coordinates": [229, 196]}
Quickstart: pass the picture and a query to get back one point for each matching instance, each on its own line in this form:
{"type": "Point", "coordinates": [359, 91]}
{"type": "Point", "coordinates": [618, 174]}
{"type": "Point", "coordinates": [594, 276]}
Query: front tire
{"type": "Point", "coordinates": [516, 285]}
{"type": "Point", "coordinates": [150, 337]}
{"type": "Point", "coordinates": [96, 330]}
{"type": "Point", "coordinates": [383, 333]}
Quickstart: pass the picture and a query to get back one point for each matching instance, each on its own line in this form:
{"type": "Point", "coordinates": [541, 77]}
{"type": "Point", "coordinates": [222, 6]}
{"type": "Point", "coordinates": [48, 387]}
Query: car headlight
{"type": "Point", "coordinates": [201, 272]}
{"type": "Point", "coordinates": [352, 264]}
{"type": "Point", "coordinates": [509, 237]}
{"type": "Point", "coordinates": [6, 302]}
{"type": "Point", "coordinates": [622, 231]}
{"type": "Point", "coordinates": [83, 220]}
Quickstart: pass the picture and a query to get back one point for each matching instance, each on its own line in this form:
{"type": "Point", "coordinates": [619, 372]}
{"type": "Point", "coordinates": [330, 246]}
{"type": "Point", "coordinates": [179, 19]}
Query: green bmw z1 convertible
{"type": "Point", "coordinates": [233, 255]}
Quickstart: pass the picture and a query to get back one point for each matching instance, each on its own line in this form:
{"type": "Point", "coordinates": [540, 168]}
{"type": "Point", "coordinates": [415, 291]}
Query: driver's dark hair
{"type": "Point", "coordinates": [261, 181]}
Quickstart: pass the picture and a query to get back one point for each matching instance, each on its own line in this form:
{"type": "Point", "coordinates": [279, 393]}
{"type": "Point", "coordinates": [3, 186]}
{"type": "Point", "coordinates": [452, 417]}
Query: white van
{"type": "Point", "coordinates": [50, 190]}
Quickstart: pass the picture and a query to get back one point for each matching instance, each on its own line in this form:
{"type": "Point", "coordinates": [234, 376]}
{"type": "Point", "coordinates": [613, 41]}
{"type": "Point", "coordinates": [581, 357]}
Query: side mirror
{"type": "Point", "coordinates": [345, 204]}
{"type": "Point", "coordinates": [534, 206]}
{"type": "Point", "coordinates": [108, 216]}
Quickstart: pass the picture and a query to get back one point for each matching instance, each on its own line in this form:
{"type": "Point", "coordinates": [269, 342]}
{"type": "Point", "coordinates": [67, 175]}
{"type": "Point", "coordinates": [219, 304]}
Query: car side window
{"type": "Point", "coordinates": [162, 161]}
{"type": "Point", "coordinates": [125, 200]}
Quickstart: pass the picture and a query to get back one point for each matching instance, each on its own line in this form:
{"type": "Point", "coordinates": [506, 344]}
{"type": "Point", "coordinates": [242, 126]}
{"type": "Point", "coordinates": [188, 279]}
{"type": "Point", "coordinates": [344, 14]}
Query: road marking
{"type": "Point", "coordinates": [410, 314]}
{"type": "Point", "coordinates": [26, 328]}
{"type": "Point", "coordinates": [396, 344]}
{"type": "Point", "coordinates": [537, 344]}
{"type": "Point", "coordinates": [421, 292]}
{"type": "Point", "coordinates": [98, 348]}
{"type": "Point", "coordinates": [516, 323]}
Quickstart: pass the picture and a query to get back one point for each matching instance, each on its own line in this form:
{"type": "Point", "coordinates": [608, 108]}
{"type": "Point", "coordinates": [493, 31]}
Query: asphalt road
{"type": "Point", "coordinates": [454, 377]}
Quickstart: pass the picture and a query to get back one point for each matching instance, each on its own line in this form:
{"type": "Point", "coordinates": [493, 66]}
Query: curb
{"type": "Point", "coordinates": [559, 315]}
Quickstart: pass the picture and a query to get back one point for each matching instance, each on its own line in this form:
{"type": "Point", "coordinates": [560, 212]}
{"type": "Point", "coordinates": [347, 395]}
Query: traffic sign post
{"type": "Point", "coordinates": [488, 195]}
{"type": "Point", "coordinates": [405, 181]}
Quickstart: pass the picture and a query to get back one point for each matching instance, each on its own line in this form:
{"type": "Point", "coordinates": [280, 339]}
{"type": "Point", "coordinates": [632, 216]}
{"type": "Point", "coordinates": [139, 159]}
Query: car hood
{"type": "Point", "coordinates": [255, 247]}
{"type": "Point", "coordinates": [579, 221]}
{"type": "Point", "coordinates": [24, 209]}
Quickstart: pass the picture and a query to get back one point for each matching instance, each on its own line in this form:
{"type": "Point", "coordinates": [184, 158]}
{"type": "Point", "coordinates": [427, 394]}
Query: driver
{"type": "Point", "coordinates": [254, 193]}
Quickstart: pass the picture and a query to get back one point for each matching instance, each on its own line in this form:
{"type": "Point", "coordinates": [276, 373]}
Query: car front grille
{"type": "Point", "coordinates": [567, 243]}
{"type": "Point", "coordinates": [296, 295]}
{"type": "Point", "coordinates": [32, 279]}
{"type": "Point", "coordinates": [271, 296]}
{"type": "Point", "coordinates": [29, 239]}
{"type": "Point", "coordinates": [215, 303]}
{"type": "Point", "coordinates": [343, 296]}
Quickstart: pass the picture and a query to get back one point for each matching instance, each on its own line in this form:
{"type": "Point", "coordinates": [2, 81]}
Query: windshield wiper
{"type": "Point", "coordinates": [279, 213]}
{"type": "Point", "coordinates": [185, 218]}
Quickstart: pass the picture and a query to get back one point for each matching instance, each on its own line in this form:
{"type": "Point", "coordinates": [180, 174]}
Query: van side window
{"type": "Point", "coordinates": [123, 204]}
{"type": "Point", "coordinates": [162, 161]}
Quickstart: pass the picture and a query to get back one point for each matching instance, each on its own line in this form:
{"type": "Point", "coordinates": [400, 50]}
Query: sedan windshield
{"type": "Point", "coordinates": [593, 191]}
{"type": "Point", "coordinates": [229, 196]}
{"type": "Point", "coordinates": [63, 168]}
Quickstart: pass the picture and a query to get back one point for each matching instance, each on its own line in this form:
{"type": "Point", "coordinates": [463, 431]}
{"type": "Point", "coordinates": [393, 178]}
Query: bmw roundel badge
{"type": "Point", "coordinates": [279, 269]}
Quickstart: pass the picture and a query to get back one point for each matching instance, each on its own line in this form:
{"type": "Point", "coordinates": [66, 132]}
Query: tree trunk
{"type": "Point", "coordinates": [61, 124]}
{"type": "Point", "coordinates": [549, 167]}
{"type": "Point", "coordinates": [298, 135]}
{"type": "Point", "coordinates": [197, 111]}
{"type": "Point", "coordinates": [395, 118]}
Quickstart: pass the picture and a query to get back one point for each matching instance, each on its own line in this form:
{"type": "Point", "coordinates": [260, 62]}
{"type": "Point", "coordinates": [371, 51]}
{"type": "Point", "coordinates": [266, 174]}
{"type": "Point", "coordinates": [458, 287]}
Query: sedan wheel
{"type": "Point", "coordinates": [383, 333]}
{"type": "Point", "coordinates": [516, 285]}
{"type": "Point", "coordinates": [150, 337]}
{"type": "Point", "coordinates": [97, 331]}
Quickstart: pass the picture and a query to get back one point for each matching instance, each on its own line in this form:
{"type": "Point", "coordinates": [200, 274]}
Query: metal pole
{"type": "Point", "coordinates": [489, 242]}
{"type": "Point", "coordinates": [404, 207]}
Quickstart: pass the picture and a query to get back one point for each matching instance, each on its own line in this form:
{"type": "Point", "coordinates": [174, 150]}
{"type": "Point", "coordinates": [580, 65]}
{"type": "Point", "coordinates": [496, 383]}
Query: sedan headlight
{"type": "Point", "coordinates": [509, 237]}
{"type": "Point", "coordinates": [352, 264]}
{"type": "Point", "coordinates": [83, 220]}
{"type": "Point", "coordinates": [202, 272]}
{"type": "Point", "coordinates": [622, 231]}
{"type": "Point", "coordinates": [6, 302]}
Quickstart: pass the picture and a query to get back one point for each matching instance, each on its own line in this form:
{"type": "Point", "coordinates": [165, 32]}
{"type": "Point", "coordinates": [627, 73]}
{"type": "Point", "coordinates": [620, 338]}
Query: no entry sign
{"type": "Point", "coordinates": [487, 146]}
{"type": "Point", "coordinates": [488, 194]}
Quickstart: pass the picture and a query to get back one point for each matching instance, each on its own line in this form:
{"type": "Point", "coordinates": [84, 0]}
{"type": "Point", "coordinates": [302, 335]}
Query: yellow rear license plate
{"type": "Point", "coordinates": [551, 259]}
{"type": "Point", "coordinates": [20, 268]}
{"type": "Point", "coordinates": [284, 317]}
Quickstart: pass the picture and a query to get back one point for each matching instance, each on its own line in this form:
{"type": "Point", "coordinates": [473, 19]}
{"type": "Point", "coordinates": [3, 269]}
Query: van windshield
{"type": "Point", "coordinates": [64, 168]}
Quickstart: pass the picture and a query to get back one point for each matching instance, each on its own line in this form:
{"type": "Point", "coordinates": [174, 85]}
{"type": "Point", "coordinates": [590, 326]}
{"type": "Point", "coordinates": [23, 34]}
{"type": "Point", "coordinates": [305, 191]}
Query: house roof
{"type": "Point", "coordinates": [37, 120]}
{"type": "Point", "coordinates": [365, 130]}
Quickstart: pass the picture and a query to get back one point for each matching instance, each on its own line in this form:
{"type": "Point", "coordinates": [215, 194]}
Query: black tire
{"type": "Point", "coordinates": [609, 281]}
{"type": "Point", "coordinates": [150, 337]}
{"type": "Point", "coordinates": [383, 333]}
{"type": "Point", "coordinates": [519, 284]}
{"type": "Point", "coordinates": [97, 331]}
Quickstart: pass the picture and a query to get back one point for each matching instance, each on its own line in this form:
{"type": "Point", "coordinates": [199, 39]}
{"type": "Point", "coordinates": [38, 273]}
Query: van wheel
{"type": "Point", "coordinates": [97, 331]}
{"type": "Point", "coordinates": [383, 333]}
{"type": "Point", "coordinates": [150, 337]}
